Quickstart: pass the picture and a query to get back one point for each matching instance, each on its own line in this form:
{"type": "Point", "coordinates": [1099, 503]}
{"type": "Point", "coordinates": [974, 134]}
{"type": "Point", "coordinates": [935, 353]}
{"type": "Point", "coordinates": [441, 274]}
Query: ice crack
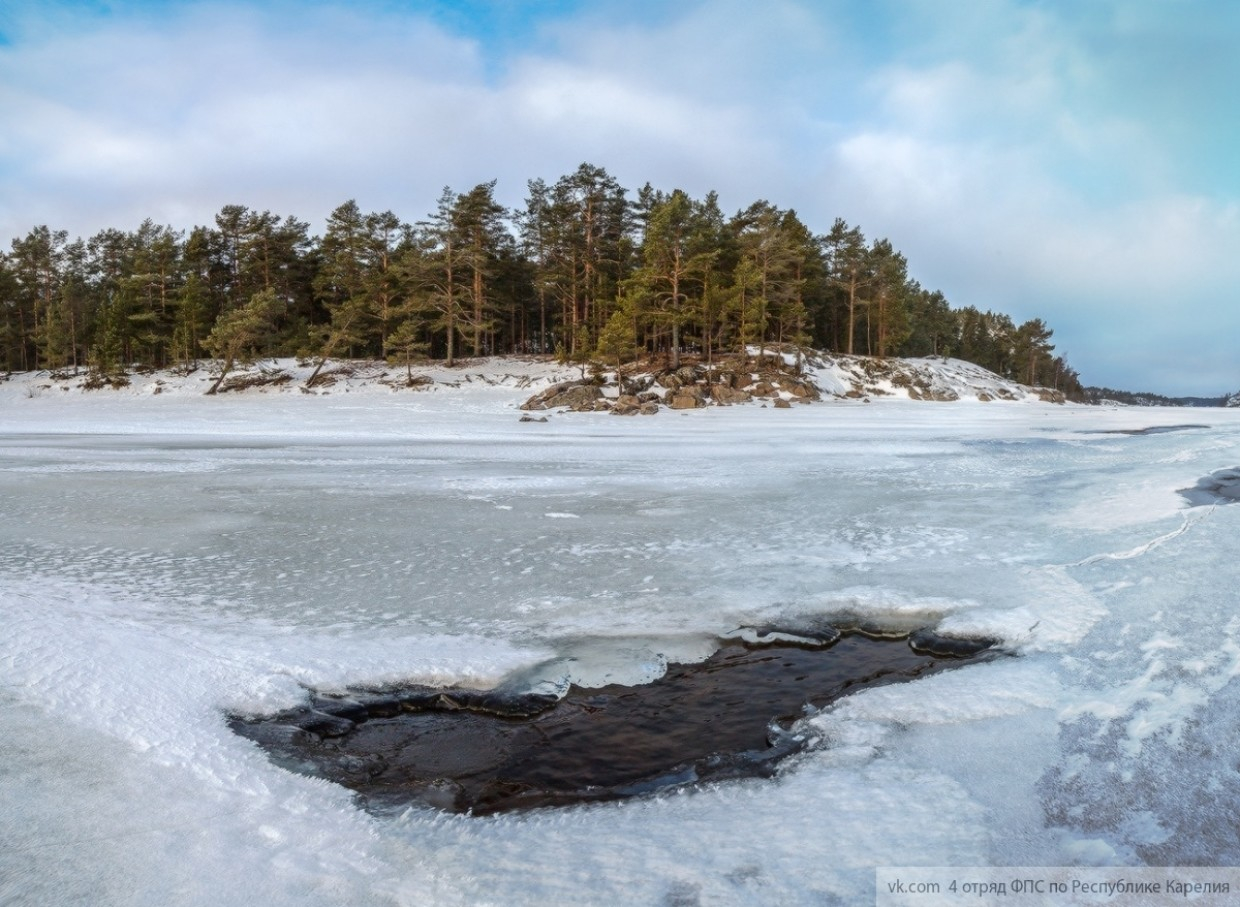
{"type": "Point", "coordinates": [1149, 546]}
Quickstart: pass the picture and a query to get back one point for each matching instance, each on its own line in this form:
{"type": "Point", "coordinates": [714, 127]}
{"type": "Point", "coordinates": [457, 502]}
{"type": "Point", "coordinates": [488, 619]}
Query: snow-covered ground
{"type": "Point", "coordinates": [165, 558]}
{"type": "Point", "coordinates": [836, 375]}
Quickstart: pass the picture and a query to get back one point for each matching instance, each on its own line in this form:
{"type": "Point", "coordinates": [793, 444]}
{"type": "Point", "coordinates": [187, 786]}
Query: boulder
{"type": "Point", "coordinates": [781, 403]}
{"type": "Point", "coordinates": [726, 396]}
{"type": "Point", "coordinates": [578, 395]}
{"type": "Point", "coordinates": [638, 385]}
{"type": "Point", "coordinates": [683, 400]}
{"type": "Point", "coordinates": [572, 394]}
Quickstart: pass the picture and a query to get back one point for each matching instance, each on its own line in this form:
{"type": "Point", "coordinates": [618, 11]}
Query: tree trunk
{"type": "Point", "coordinates": [228, 365]}
{"type": "Point", "coordinates": [852, 311]}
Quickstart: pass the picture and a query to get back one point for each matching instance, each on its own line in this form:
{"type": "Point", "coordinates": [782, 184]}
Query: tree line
{"type": "Point", "coordinates": [584, 269]}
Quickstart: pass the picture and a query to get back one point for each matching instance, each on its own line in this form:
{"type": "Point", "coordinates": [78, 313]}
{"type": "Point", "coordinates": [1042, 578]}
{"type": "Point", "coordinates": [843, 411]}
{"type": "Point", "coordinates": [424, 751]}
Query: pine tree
{"type": "Point", "coordinates": [674, 261]}
{"type": "Point", "coordinates": [239, 332]}
{"type": "Point", "coordinates": [846, 268]}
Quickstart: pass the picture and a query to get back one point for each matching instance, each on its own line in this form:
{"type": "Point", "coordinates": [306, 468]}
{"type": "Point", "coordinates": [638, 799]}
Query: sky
{"type": "Point", "coordinates": [1070, 160]}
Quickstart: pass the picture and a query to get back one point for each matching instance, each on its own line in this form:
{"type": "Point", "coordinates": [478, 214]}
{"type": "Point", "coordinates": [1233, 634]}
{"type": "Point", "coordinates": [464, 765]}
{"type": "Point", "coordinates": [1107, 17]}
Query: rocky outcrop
{"type": "Point", "coordinates": [768, 379]}
{"type": "Point", "coordinates": [579, 396]}
{"type": "Point", "coordinates": [786, 376]}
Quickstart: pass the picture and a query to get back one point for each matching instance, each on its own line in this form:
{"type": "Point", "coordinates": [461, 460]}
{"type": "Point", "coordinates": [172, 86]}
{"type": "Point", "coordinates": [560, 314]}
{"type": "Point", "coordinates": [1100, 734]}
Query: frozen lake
{"type": "Point", "coordinates": [166, 560]}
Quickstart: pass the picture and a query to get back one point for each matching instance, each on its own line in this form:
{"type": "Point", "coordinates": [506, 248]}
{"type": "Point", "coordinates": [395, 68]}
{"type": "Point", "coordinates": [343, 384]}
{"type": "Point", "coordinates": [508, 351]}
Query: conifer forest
{"type": "Point", "coordinates": [585, 269]}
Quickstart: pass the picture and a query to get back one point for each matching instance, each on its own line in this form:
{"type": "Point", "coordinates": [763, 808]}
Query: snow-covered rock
{"type": "Point", "coordinates": [931, 378]}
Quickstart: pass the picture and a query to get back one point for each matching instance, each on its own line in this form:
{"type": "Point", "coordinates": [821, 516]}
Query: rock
{"type": "Point", "coordinates": [726, 396]}
{"type": "Point", "coordinates": [648, 397]}
{"type": "Point", "coordinates": [625, 409]}
{"type": "Point", "coordinates": [983, 397]}
{"type": "Point", "coordinates": [648, 409]}
{"type": "Point", "coordinates": [529, 418]}
{"type": "Point", "coordinates": [571, 394]}
{"type": "Point", "coordinates": [763, 389]}
{"type": "Point", "coordinates": [692, 391]}
{"type": "Point", "coordinates": [1046, 395]}
{"type": "Point", "coordinates": [684, 400]}
{"type": "Point", "coordinates": [781, 403]}
{"type": "Point", "coordinates": [928, 642]}
{"type": "Point", "coordinates": [628, 400]}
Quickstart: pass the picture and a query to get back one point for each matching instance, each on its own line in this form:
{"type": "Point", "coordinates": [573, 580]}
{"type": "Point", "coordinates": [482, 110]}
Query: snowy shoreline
{"type": "Point", "coordinates": [838, 377]}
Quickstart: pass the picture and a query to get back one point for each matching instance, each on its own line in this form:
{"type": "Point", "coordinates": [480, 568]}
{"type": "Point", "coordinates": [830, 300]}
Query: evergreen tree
{"type": "Point", "coordinates": [888, 272]}
{"type": "Point", "coordinates": [35, 263]}
{"type": "Point", "coordinates": [435, 269]}
{"type": "Point", "coordinates": [675, 255]}
{"type": "Point", "coordinates": [479, 221]}
{"type": "Point", "coordinates": [1032, 352]}
{"type": "Point", "coordinates": [777, 261]}
{"type": "Point", "coordinates": [846, 259]}
{"type": "Point", "coordinates": [590, 247]}
{"type": "Point", "coordinates": [239, 332]}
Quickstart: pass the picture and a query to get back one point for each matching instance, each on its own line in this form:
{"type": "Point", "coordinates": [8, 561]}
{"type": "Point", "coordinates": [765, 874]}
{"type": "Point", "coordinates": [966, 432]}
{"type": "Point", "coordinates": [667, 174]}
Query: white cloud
{"type": "Point", "coordinates": [976, 142]}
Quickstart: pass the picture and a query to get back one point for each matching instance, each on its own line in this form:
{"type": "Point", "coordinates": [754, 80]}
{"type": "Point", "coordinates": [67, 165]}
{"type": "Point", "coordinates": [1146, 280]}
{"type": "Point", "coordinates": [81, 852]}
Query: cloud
{"type": "Point", "coordinates": [1000, 145]}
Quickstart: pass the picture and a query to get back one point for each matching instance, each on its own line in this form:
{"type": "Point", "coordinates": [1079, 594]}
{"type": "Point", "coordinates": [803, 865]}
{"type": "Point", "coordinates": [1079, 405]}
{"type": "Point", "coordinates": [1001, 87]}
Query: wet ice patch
{"type": "Point", "coordinates": [1149, 430]}
{"type": "Point", "coordinates": [1220, 487]}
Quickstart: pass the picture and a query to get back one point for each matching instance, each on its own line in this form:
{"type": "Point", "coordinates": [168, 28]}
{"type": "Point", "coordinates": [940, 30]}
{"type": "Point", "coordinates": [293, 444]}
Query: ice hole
{"type": "Point", "coordinates": [487, 751]}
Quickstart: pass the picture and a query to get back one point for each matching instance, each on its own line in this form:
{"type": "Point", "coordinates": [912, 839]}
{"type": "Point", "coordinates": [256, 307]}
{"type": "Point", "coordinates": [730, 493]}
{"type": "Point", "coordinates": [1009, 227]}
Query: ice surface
{"type": "Point", "coordinates": [165, 559]}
